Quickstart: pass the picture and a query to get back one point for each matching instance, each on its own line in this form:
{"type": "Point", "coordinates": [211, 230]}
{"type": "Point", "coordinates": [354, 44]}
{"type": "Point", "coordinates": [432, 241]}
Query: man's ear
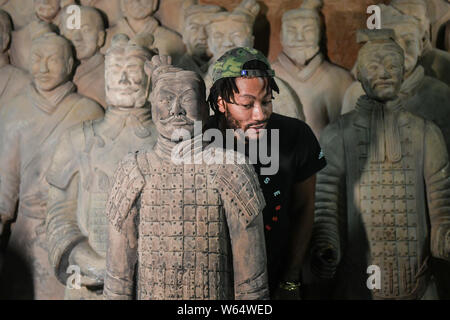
{"type": "Point", "coordinates": [221, 104]}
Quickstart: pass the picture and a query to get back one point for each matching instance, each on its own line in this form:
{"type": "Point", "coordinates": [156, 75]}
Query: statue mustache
{"type": "Point", "coordinates": [177, 119]}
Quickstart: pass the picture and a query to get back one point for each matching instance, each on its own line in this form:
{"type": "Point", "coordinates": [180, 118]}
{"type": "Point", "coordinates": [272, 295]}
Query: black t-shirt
{"type": "Point", "coordinates": [300, 157]}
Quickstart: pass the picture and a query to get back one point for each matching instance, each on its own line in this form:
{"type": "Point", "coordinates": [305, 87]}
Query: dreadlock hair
{"type": "Point", "coordinates": [226, 87]}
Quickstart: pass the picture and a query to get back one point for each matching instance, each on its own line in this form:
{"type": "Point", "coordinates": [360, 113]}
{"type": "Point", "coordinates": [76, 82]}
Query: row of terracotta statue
{"type": "Point", "coordinates": [54, 182]}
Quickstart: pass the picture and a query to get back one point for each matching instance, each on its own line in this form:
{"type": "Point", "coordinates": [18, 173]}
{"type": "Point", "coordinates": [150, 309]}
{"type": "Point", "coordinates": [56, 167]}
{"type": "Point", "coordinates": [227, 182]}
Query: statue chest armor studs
{"type": "Point", "coordinates": [183, 236]}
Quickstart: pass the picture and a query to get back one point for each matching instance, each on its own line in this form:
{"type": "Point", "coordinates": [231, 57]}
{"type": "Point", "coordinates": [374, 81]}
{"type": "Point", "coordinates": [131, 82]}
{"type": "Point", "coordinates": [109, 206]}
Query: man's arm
{"type": "Point", "coordinates": [301, 227]}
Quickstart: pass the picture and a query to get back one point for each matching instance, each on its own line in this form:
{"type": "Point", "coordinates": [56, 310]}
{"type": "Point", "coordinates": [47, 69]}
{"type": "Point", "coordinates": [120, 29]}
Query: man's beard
{"type": "Point", "coordinates": [231, 123]}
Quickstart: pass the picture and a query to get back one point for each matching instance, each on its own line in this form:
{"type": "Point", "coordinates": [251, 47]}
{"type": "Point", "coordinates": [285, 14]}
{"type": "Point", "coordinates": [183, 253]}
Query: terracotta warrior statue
{"type": "Point", "coordinates": [439, 14]}
{"type": "Point", "coordinates": [193, 230]}
{"type": "Point", "coordinates": [228, 30]}
{"type": "Point", "coordinates": [435, 62]}
{"type": "Point", "coordinates": [47, 11]}
{"type": "Point", "coordinates": [90, 74]}
{"type": "Point", "coordinates": [30, 126]}
{"type": "Point", "coordinates": [12, 79]}
{"type": "Point", "coordinates": [138, 18]}
{"type": "Point", "coordinates": [422, 95]}
{"type": "Point", "coordinates": [81, 174]}
{"type": "Point", "coordinates": [319, 84]}
{"type": "Point", "coordinates": [385, 206]}
{"type": "Point", "coordinates": [110, 8]}
{"type": "Point", "coordinates": [195, 37]}
{"type": "Point", "coordinates": [20, 11]}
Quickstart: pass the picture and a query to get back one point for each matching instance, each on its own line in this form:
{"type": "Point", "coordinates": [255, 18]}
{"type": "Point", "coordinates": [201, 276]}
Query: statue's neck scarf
{"type": "Point", "coordinates": [50, 101]}
{"type": "Point", "coordinates": [305, 73]}
{"type": "Point", "coordinates": [384, 129]}
{"type": "Point", "coordinates": [116, 119]}
{"type": "Point", "coordinates": [412, 83]}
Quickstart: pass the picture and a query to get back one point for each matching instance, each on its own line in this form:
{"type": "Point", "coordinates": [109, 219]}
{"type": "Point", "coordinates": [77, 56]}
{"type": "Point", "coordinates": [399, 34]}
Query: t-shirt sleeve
{"type": "Point", "coordinates": [309, 156]}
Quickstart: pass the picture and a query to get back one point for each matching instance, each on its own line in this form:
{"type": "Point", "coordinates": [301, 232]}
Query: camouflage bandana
{"type": "Point", "coordinates": [230, 64]}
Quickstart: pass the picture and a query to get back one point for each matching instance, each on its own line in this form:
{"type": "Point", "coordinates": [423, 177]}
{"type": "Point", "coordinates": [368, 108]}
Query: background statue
{"type": "Point", "coordinates": [319, 84]}
{"type": "Point", "coordinates": [30, 126]}
{"type": "Point", "coordinates": [435, 62]}
{"type": "Point", "coordinates": [90, 74]}
{"type": "Point", "coordinates": [422, 95]}
{"type": "Point", "coordinates": [12, 79]}
{"type": "Point", "coordinates": [81, 174]}
{"type": "Point", "coordinates": [229, 30]}
{"type": "Point", "coordinates": [21, 11]}
{"type": "Point", "coordinates": [138, 18]}
{"type": "Point", "coordinates": [180, 244]}
{"type": "Point", "coordinates": [195, 37]}
{"type": "Point", "coordinates": [396, 182]}
{"type": "Point", "coordinates": [110, 8]}
{"type": "Point", "coordinates": [47, 11]}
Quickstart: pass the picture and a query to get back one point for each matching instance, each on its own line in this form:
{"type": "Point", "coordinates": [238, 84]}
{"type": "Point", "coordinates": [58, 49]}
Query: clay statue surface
{"type": "Point", "coordinates": [12, 79]}
{"type": "Point", "coordinates": [229, 30]}
{"type": "Point", "coordinates": [439, 14]}
{"type": "Point", "coordinates": [319, 84]}
{"type": "Point", "coordinates": [138, 18]}
{"type": "Point", "coordinates": [422, 95]}
{"type": "Point", "coordinates": [47, 11]}
{"type": "Point", "coordinates": [195, 37]}
{"type": "Point", "coordinates": [396, 182]}
{"type": "Point", "coordinates": [21, 11]}
{"type": "Point", "coordinates": [111, 9]}
{"type": "Point", "coordinates": [191, 229]}
{"type": "Point", "coordinates": [81, 174]}
{"type": "Point", "coordinates": [435, 62]}
{"type": "Point", "coordinates": [90, 74]}
{"type": "Point", "coordinates": [30, 126]}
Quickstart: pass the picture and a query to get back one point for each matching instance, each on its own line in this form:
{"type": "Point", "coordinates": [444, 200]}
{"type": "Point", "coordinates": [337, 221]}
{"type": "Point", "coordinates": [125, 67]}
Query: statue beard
{"type": "Point", "coordinates": [301, 55]}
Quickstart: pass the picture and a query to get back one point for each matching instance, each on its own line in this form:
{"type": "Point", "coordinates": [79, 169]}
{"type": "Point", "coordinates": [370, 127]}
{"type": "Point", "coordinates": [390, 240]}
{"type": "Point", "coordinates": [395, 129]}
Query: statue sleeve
{"type": "Point", "coordinates": [63, 233]}
{"type": "Point", "coordinates": [121, 211]}
{"type": "Point", "coordinates": [244, 202]}
{"type": "Point", "coordinates": [329, 200]}
{"type": "Point", "coordinates": [9, 170]}
{"type": "Point", "coordinates": [437, 179]}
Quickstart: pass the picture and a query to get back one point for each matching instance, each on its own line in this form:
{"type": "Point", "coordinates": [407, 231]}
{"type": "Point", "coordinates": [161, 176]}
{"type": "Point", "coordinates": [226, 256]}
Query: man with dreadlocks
{"type": "Point", "coordinates": [241, 98]}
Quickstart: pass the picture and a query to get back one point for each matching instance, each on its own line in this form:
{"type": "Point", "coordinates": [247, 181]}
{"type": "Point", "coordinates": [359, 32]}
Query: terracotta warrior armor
{"type": "Point", "coordinates": [385, 203]}
{"type": "Point", "coordinates": [194, 230]}
{"type": "Point", "coordinates": [83, 167]}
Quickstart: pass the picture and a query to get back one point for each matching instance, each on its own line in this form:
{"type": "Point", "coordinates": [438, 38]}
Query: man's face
{"type": "Point", "coordinates": [126, 81]}
{"type": "Point", "coordinates": [300, 38]}
{"type": "Point", "coordinates": [46, 9]}
{"type": "Point", "coordinates": [50, 65]}
{"type": "Point", "coordinates": [176, 104]}
{"type": "Point", "coordinates": [381, 73]}
{"type": "Point", "coordinates": [138, 9]}
{"type": "Point", "coordinates": [194, 34]}
{"type": "Point", "coordinates": [89, 38]}
{"type": "Point", "coordinates": [409, 39]}
{"type": "Point", "coordinates": [251, 108]}
{"type": "Point", "coordinates": [228, 34]}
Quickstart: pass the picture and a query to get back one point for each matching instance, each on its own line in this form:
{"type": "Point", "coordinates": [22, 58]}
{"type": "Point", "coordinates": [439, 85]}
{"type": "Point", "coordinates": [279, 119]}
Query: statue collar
{"type": "Point", "coordinates": [385, 141]}
{"type": "Point", "coordinates": [412, 83]}
{"type": "Point", "coordinates": [305, 73]}
{"type": "Point", "coordinates": [89, 65]}
{"type": "Point", "coordinates": [52, 99]}
{"type": "Point", "coordinates": [150, 26]}
{"type": "Point", "coordinates": [117, 119]}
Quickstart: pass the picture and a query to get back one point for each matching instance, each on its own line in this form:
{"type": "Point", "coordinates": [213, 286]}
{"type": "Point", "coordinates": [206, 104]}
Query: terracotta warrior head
{"type": "Point", "coordinates": [228, 30]}
{"type": "Point", "coordinates": [301, 31]}
{"type": "Point", "coordinates": [5, 31]}
{"type": "Point", "coordinates": [51, 61]}
{"type": "Point", "coordinates": [380, 64]}
{"type": "Point", "coordinates": [419, 10]}
{"type": "Point", "coordinates": [138, 9]}
{"type": "Point", "coordinates": [90, 37]}
{"type": "Point", "coordinates": [177, 98]}
{"type": "Point", "coordinates": [196, 18]}
{"type": "Point", "coordinates": [408, 35]}
{"type": "Point", "coordinates": [47, 10]}
{"type": "Point", "coordinates": [126, 83]}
